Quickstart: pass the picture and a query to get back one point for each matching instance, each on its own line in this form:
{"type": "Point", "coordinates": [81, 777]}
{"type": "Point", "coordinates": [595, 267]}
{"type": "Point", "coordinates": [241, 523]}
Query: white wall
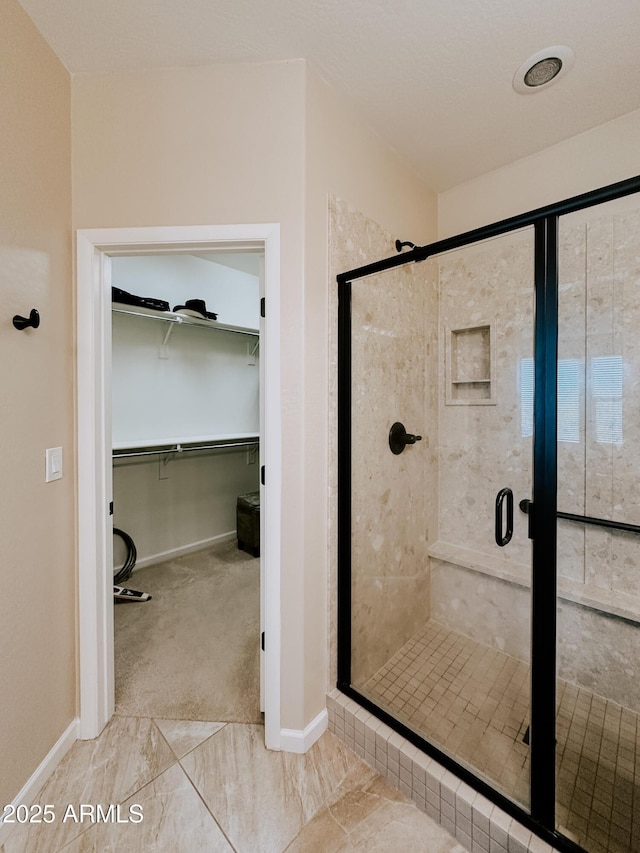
{"type": "Point", "coordinates": [172, 505]}
{"type": "Point", "coordinates": [596, 158]}
{"type": "Point", "coordinates": [202, 384]}
{"type": "Point", "coordinates": [230, 293]}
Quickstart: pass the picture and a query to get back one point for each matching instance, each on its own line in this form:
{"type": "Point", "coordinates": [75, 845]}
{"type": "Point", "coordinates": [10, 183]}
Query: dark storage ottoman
{"type": "Point", "coordinates": [248, 523]}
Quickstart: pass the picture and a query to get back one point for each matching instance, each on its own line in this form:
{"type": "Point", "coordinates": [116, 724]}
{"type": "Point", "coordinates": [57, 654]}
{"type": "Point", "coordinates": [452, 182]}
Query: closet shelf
{"type": "Point", "coordinates": [161, 448]}
{"type": "Point", "coordinates": [181, 319]}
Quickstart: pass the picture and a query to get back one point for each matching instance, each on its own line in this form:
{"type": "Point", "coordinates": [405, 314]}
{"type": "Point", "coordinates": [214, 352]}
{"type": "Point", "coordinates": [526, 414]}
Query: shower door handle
{"type": "Point", "coordinates": [503, 538]}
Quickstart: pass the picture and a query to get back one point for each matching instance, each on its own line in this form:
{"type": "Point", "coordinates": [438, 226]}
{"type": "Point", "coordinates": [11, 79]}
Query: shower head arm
{"type": "Point", "coordinates": [400, 245]}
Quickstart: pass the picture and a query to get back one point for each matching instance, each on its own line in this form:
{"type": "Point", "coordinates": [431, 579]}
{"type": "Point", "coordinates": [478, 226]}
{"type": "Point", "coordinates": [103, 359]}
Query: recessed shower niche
{"type": "Point", "coordinates": [469, 365]}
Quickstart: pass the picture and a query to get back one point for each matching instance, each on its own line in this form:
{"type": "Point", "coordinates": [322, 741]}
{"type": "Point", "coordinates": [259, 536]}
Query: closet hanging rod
{"type": "Point", "coordinates": [179, 448]}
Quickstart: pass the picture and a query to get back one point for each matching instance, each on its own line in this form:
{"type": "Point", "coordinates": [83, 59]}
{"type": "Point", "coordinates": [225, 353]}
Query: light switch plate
{"type": "Point", "coordinates": [53, 464]}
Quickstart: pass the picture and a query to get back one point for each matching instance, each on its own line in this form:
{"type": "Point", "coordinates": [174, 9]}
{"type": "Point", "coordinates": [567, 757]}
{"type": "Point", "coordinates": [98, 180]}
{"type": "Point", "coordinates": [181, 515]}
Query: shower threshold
{"type": "Point", "coordinates": [472, 702]}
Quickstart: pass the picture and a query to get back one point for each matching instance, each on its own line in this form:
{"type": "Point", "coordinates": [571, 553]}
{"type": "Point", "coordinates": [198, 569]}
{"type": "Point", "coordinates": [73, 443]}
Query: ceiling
{"type": "Point", "coordinates": [432, 77]}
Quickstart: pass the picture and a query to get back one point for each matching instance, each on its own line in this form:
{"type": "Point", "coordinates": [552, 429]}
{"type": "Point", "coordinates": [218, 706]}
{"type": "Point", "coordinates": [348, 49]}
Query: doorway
{"type": "Point", "coordinates": [185, 400]}
{"type": "Point", "coordinates": [489, 608]}
{"type": "Point", "coordinates": [96, 249]}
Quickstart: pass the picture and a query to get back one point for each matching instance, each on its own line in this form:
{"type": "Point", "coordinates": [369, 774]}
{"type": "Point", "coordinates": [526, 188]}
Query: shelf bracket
{"type": "Point", "coordinates": [172, 323]}
{"type": "Point", "coordinates": [163, 349]}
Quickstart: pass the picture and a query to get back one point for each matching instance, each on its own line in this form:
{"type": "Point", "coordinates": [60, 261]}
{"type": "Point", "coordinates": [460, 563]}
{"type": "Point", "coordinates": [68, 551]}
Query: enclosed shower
{"type": "Point", "coordinates": [489, 510]}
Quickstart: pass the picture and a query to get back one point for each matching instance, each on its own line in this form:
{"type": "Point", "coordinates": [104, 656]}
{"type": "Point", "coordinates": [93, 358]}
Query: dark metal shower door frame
{"type": "Point", "coordinates": [543, 509]}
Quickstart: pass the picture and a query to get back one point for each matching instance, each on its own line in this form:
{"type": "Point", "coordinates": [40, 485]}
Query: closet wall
{"type": "Point", "coordinates": [197, 385]}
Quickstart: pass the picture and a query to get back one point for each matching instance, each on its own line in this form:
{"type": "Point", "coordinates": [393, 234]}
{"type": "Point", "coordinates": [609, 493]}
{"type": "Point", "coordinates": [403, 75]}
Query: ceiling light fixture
{"type": "Point", "coordinates": [542, 69]}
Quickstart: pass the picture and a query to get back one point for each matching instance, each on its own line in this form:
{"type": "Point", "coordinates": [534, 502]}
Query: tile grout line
{"type": "Point", "coordinates": [123, 799]}
{"type": "Point", "coordinates": [327, 808]}
{"type": "Point", "coordinates": [118, 799]}
{"type": "Point", "coordinates": [180, 757]}
{"type": "Point", "coordinates": [204, 802]}
{"type": "Point", "coordinates": [190, 780]}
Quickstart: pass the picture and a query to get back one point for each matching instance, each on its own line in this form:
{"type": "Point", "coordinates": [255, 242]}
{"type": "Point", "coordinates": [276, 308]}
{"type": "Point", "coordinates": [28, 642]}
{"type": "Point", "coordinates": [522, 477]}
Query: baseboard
{"type": "Point", "coordinates": [301, 740]}
{"type": "Point", "coordinates": [44, 770]}
{"type": "Point", "coordinates": [165, 556]}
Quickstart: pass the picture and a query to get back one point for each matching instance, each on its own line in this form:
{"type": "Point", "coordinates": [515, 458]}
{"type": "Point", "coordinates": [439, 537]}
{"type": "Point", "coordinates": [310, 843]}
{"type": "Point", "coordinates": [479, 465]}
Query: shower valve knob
{"type": "Point", "coordinates": [399, 438]}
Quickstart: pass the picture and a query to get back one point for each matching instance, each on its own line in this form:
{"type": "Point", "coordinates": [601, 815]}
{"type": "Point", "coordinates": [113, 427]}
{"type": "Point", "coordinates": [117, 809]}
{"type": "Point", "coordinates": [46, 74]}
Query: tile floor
{"type": "Point", "coordinates": [213, 788]}
{"type": "Point", "coordinates": [473, 701]}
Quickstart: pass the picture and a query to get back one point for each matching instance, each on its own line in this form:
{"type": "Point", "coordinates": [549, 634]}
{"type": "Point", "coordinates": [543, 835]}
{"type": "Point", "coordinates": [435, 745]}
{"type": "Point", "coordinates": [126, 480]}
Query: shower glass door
{"type": "Point", "coordinates": [441, 366]}
{"type": "Point", "coordinates": [489, 510]}
{"type": "Point", "coordinates": [598, 604]}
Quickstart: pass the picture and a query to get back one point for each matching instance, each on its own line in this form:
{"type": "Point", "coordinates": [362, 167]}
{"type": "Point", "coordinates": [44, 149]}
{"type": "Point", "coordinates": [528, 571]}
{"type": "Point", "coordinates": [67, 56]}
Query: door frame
{"type": "Point", "coordinates": [94, 480]}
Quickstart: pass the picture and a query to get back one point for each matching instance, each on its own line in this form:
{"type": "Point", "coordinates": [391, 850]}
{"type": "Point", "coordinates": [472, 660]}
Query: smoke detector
{"type": "Point", "coordinates": [542, 69]}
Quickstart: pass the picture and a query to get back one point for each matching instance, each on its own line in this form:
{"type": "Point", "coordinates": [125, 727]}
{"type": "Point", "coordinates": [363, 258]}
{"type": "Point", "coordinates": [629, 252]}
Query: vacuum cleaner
{"type": "Point", "coordinates": [121, 593]}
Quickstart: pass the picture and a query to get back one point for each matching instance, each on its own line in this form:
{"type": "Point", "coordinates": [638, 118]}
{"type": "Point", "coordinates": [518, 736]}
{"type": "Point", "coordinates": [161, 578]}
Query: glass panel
{"type": "Point", "coordinates": [440, 613]}
{"type": "Point", "coordinates": [598, 671]}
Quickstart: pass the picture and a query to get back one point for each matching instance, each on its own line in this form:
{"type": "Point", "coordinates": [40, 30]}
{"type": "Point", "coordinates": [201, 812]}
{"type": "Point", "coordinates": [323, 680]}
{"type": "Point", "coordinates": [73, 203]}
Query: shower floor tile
{"type": "Point", "coordinates": [473, 703]}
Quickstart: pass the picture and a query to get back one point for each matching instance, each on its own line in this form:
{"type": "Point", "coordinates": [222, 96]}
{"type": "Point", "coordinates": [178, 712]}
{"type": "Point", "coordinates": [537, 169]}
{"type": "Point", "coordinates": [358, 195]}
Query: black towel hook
{"type": "Point", "coordinates": [24, 322]}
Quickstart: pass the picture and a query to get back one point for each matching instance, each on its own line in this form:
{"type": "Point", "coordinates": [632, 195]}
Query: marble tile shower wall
{"type": "Point", "coordinates": [484, 448]}
{"type": "Point", "coordinates": [390, 578]}
{"type": "Point", "coordinates": [599, 351]}
{"type": "Point", "coordinates": [354, 240]}
{"type": "Point", "coordinates": [599, 452]}
{"type": "Point", "coordinates": [394, 341]}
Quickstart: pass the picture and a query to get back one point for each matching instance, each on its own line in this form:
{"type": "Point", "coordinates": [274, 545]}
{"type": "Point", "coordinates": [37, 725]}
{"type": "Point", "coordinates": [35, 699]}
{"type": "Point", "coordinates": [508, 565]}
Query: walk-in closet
{"type": "Point", "coordinates": [186, 478]}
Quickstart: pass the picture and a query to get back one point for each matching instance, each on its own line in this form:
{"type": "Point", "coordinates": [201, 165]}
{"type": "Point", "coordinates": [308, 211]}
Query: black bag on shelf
{"type": "Point", "coordinates": [118, 295]}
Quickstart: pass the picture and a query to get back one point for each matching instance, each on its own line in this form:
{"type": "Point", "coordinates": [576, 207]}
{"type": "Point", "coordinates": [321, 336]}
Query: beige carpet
{"type": "Point", "coordinates": [192, 652]}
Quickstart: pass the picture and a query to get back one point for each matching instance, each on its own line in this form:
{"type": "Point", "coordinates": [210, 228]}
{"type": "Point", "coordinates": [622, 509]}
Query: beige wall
{"type": "Point", "coordinates": [37, 605]}
{"type": "Point", "coordinates": [254, 143]}
{"type": "Point", "coordinates": [212, 145]}
{"type": "Point", "coordinates": [601, 156]}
